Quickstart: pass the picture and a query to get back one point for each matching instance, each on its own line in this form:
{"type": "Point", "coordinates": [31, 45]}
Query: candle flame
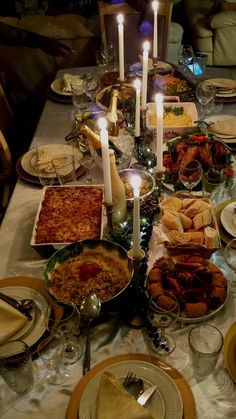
{"type": "Point", "coordinates": [135, 182]}
{"type": "Point", "coordinates": [102, 123]}
{"type": "Point", "coordinates": [146, 46]}
{"type": "Point", "coordinates": [120, 19]}
{"type": "Point", "coordinates": [155, 5]}
{"type": "Point", "coordinates": [137, 84]}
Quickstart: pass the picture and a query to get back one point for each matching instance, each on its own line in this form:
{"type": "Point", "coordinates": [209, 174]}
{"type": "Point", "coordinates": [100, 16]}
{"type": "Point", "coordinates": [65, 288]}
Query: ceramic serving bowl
{"type": "Point", "coordinates": [147, 183]}
{"type": "Point", "coordinates": [65, 276]}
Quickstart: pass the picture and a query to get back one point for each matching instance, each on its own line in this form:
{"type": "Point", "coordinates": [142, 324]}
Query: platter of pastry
{"type": "Point", "coordinates": [199, 285]}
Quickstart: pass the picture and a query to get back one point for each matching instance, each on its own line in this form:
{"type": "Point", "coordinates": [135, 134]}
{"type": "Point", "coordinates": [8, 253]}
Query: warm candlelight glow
{"type": "Point", "coordinates": [137, 86]}
{"type": "Point", "coordinates": [155, 9]}
{"type": "Point", "coordinates": [102, 124]}
{"type": "Point", "coordinates": [159, 130]}
{"type": "Point", "coordinates": [120, 19]}
{"type": "Point", "coordinates": [146, 47]}
{"type": "Point", "coordinates": [135, 182]}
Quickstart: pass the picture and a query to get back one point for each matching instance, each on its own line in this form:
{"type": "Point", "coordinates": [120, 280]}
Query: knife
{"type": "Point", "coordinates": [146, 395]}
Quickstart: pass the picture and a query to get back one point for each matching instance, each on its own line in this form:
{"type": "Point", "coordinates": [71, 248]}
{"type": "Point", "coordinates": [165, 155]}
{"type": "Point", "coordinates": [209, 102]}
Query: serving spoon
{"type": "Point", "coordinates": [24, 305]}
{"type": "Point", "coordinates": [90, 309]}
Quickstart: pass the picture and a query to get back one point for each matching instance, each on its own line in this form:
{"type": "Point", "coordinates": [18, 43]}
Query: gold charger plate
{"type": "Point", "coordinates": [37, 285]}
{"type": "Point", "coordinates": [224, 235]}
{"type": "Point", "coordinates": [230, 350]}
{"type": "Point", "coordinates": [189, 405]}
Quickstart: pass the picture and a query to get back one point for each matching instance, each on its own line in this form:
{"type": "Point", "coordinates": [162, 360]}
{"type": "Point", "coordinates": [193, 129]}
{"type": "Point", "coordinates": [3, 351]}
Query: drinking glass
{"type": "Point", "coordinates": [64, 166]}
{"type": "Point", "coordinates": [213, 183]}
{"type": "Point", "coordinates": [230, 258]}
{"type": "Point", "coordinates": [52, 355]}
{"type": "Point", "coordinates": [78, 96]}
{"type": "Point", "coordinates": [163, 311]}
{"type": "Point", "coordinates": [62, 319]}
{"type": "Point", "coordinates": [185, 55]}
{"type": "Point", "coordinates": [16, 366]}
{"type": "Point", "coordinates": [91, 86]}
{"type": "Point", "coordinates": [205, 92]}
{"type": "Point", "coordinates": [191, 174]}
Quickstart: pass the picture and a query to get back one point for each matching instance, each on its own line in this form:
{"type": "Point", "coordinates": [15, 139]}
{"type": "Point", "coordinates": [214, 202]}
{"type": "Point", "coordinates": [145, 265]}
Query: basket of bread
{"type": "Point", "coordinates": [189, 224]}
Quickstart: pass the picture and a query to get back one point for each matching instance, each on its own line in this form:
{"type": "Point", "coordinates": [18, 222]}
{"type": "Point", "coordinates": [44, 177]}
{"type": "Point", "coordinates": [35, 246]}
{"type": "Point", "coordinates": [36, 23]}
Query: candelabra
{"type": "Point", "coordinates": [135, 317]}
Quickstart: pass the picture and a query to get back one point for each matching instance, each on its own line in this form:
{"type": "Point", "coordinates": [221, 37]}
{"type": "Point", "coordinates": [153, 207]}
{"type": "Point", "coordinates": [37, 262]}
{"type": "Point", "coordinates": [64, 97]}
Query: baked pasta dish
{"type": "Point", "coordinates": [94, 270]}
{"type": "Point", "coordinates": [69, 214]}
{"type": "Point", "coordinates": [199, 285]}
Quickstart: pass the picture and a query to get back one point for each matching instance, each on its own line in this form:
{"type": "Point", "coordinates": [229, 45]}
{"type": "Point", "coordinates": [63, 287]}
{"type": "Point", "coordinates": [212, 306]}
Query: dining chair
{"type": "Point", "coordinates": [6, 169]}
{"type": "Point", "coordinates": [133, 38]}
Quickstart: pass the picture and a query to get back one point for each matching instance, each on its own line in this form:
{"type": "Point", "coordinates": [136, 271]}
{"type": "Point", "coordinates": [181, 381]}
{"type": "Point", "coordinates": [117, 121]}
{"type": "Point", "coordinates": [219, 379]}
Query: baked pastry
{"type": "Point", "coordinates": [196, 309]}
{"type": "Point", "coordinates": [195, 208]}
{"type": "Point", "coordinates": [186, 221]}
{"type": "Point", "coordinates": [155, 275]}
{"type": "Point", "coordinates": [165, 302]}
{"type": "Point", "coordinates": [218, 296]}
{"type": "Point", "coordinates": [202, 219]}
{"type": "Point", "coordinates": [172, 221]}
{"type": "Point", "coordinates": [114, 401]}
{"type": "Point", "coordinates": [211, 237]}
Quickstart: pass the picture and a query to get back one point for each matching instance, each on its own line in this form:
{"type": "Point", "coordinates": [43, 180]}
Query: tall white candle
{"type": "Point", "coordinates": [136, 182]}
{"type": "Point", "coordinates": [155, 47]}
{"type": "Point", "coordinates": [159, 130]}
{"type": "Point", "coordinates": [102, 123]}
{"type": "Point", "coordinates": [137, 86]}
{"type": "Point", "coordinates": [146, 47]}
{"type": "Point", "coordinates": [120, 19]}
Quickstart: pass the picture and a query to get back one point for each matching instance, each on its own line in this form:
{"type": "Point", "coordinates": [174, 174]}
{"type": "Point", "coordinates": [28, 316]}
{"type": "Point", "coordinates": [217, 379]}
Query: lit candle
{"type": "Point", "coordinates": [155, 8]}
{"type": "Point", "coordinates": [146, 46]}
{"type": "Point", "coordinates": [102, 123]}
{"type": "Point", "coordinates": [120, 19]}
{"type": "Point", "coordinates": [159, 130]}
{"type": "Point", "coordinates": [137, 86]}
{"type": "Point", "coordinates": [135, 183]}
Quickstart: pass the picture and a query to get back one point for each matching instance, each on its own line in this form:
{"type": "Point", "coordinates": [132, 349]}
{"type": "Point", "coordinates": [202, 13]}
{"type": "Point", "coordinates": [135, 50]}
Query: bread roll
{"type": "Point", "coordinates": [211, 237]}
{"type": "Point", "coordinates": [195, 208]}
{"type": "Point", "coordinates": [202, 219]}
{"type": "Point", "coordinates": [172, 204]}
{"type": "Point", "coordinates": [176, 237]}
{"type": "Point", "coordinates": [172, 221]}
{"type": "Point", "coordinates": [186, 221]}
{"type": "Point", "coordinates": [196, 237]}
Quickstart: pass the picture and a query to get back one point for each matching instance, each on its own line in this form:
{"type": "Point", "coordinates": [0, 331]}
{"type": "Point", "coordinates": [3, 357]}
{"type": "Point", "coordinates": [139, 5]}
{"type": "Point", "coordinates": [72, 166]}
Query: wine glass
{"type": "Point", "coordinates": [44, 168]}
{"type": "Point", "coordinates": [62, 319]}
{"type": "Point", "coordinates": [205, 92]}
{"type": "Point", "coordinates": [163, 311]}
{"type": "Point", "coordinates": [185, 55]}
{"type": "Point", "coordinates": [230, 258]}
{"type": "Point", "coordinates": [191, 174]}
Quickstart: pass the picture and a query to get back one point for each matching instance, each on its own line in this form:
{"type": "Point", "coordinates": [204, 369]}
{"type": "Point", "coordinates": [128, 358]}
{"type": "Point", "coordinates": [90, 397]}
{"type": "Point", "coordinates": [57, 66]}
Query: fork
{"type": "Point", "coordinates": [129, 379]}
{"type": "Point", "coordinates": [133, 385]}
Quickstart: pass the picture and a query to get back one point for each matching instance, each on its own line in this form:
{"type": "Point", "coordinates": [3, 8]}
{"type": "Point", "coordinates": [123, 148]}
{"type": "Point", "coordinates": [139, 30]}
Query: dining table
{"type": "Point", "coordinates": [112, 339]}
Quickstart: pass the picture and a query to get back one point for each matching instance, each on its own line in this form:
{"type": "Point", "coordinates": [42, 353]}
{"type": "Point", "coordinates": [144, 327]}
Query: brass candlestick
{"type": "Point", "coordinates": [135, 318]}
{"type": "Point", "coordinates": [155, 63]}
{"type": "Point", "coordinates": [109, 211]}
{"type": "Point", "coordinates": [159, 177]}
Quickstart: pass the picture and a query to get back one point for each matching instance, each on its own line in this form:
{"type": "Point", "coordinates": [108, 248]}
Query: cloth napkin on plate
{"type": "Point", "coordinates": [227, 127]}
{"type": "Point", "coordinates": [114, 401]}
{"type": "Point", "coordinates": [67, 79]}
{"type": "Point", "coordinates": [11, 321]}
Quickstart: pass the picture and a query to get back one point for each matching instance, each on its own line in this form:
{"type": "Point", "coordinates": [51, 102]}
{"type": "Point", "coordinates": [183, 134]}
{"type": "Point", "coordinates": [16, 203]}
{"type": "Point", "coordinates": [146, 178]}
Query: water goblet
{"type": "Point", "coordinates": [44, 169]}
{"type": "Point", "coordinates": [205, 93]}
{"type": "Point", "coordinates": [108, 53]}
{"type": "Point", "coordinates": [163, 312]}
{"type": "Point", "coordinates": [62, 320]}
{"type": "Point", "coordinates": [185, 55]}
{"type": "Point", "coordinates": [230, 258]}
{"type": "Point", "coordinates": [191, 174]}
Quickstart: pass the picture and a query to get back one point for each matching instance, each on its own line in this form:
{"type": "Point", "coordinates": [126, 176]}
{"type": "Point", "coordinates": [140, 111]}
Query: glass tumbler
{"type": "Point", "coordinates": [16, 366]}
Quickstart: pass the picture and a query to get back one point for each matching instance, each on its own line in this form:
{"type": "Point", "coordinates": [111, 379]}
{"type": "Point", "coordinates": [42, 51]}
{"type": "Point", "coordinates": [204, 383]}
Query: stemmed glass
{"type": "Point", "coordinates": [185, 55]}
{"type": "Point", "coordinates": [62, 320]}
{"type": "Point", "coordinates": [205, 92]}
{"type": "Point", "coordinates": [191, 174]}
{"type": "Point", "coordinates": [163, 311]}
{"type": "Point", "coordinates": [43, 168]}
{"type": "Point", "coordinates": [230, 258]}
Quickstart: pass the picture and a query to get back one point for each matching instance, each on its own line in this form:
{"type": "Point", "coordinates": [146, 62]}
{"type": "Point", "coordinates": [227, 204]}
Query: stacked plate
{"type": "Point", "coordinates": [172, 399]}
{"type": "Point", "coordinates": [223, 126]}
{"type": "Point", "coordinates": [225, 89]}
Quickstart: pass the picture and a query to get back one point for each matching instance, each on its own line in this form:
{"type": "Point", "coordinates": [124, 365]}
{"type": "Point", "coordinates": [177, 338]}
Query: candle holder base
{"type": "Point", "coordinates": [135, 318]}
{"type": "Point", "coordinates": [109, 211]}
{"type": "Point", "coordinates": [159, 177]}
{"type": "Point", "coordinates": [155, 64]}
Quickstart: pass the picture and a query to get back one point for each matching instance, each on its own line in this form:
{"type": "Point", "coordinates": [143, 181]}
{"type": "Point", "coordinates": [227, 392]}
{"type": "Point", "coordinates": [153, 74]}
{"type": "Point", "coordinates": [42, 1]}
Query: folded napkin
{"type": "Point", "coordinates": [227, 127]}
{"type": "Point", "coordinates": [67, 79]}
{"type": "Point", "coordinates": [114, 401]}
{"type": "Point", "coordinates": [44, 160]}
{"type": "Point", "coordinates": [11, 321]}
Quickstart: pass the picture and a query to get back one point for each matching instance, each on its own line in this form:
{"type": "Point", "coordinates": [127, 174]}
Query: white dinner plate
{"type": "Point", "coordinates": [224, 83]}
{"type": "Point", "coordinates": [219, 118]}
{"type": "Point", "coordinates": [228, 219]}
{"type": "Point", "coordinates": [166, 403]}
{"type": "Point", "coordinates": [56, 87]}
{"type": "Point", "coordinates": [37, 326]}
{"type": "Point", "coordinates": [28, 159]}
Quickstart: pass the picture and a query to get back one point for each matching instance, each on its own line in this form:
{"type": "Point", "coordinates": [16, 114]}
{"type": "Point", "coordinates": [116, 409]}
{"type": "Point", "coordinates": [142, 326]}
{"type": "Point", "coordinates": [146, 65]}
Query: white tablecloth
{"type": "Point", "coordinates": [215, 396]}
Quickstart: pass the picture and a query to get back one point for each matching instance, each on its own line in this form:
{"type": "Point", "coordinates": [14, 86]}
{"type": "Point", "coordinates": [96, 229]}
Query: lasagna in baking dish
{"type": "Point", "coordinates": [68, 214]}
